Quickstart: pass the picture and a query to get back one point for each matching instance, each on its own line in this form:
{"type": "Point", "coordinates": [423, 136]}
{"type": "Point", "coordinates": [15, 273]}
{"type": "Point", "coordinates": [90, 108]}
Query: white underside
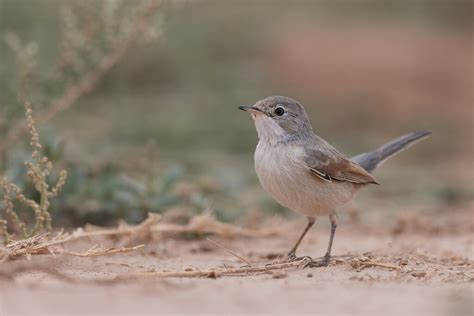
{"type": "Point", "coordinates": [284, 175]}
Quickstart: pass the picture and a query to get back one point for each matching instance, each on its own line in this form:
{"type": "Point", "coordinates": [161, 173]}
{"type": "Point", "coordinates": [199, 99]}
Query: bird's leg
{"type": "Point", "coordinates": [324, 262]}
{"type": "Point", "coordinates": [292, 253]}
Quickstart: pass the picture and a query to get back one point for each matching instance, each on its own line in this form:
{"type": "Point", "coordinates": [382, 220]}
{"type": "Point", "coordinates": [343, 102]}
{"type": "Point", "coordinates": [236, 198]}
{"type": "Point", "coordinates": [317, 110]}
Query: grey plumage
{"type": "Point", "coordinates": [374, 159]}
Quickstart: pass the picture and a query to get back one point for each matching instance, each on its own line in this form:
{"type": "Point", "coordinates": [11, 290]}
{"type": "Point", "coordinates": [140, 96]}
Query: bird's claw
{"type": "Point", "coordinates": [324, 262]}
{"type": "Point", "coordinates": [291, 257]}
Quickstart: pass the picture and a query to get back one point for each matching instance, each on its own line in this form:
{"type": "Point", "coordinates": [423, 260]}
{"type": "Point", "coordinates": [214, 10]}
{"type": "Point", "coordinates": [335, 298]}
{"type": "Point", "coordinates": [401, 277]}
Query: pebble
{"type": "Point", "coordinates": [418, 274]}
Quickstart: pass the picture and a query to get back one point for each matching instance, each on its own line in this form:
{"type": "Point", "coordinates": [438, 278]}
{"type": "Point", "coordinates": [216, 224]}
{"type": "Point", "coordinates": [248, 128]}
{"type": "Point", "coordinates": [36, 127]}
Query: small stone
{"type": "Point", "coordinates": [418, 274]}
{"type": "Point", "coordinates": [309, 275]}
{"type": "Point", "coordinates": [272, 256]}
{"type": "Point", "coordinates": [212, 275]}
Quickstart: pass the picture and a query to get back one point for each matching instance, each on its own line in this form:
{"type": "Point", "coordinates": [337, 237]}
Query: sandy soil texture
{"type": "Point", "coordinates": [424, 272]}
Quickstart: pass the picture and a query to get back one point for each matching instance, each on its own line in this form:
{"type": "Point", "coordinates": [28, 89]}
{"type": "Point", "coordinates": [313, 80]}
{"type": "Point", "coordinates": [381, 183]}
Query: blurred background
{"type": "Point", "coordinates": [138, 100]}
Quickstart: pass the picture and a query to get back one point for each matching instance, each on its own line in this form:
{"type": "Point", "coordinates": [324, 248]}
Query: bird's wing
{"type": "Point", "coordinates": [328, 164]}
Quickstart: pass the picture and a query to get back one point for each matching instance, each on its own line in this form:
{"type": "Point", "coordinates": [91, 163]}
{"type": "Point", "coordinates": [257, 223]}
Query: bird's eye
{"type": "Point", "coordinates": [279, 111]}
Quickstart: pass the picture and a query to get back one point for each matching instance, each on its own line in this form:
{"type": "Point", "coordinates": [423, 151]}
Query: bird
{"type": "Point", "coordinates": [306, 174]}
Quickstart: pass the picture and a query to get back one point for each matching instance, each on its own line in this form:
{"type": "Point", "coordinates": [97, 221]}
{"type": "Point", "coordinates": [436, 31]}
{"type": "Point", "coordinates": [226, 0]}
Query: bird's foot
{"type": "Point", "coordinates": [291, 257]}
{"type": "Point", "coordinates": [324, 262]}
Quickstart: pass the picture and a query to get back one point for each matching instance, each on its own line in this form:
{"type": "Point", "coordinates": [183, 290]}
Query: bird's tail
{"type": "Point", "coordinates": [371, 160]}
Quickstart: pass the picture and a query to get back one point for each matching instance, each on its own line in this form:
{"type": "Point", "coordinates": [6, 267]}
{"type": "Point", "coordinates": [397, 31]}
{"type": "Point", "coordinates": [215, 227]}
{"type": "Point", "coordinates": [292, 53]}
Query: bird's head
{"type": "Point", "coordinates": [278, 119]}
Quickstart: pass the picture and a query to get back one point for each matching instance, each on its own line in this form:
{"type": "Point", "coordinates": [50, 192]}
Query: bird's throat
{"type": "Point", "coordinates": [269, 131]}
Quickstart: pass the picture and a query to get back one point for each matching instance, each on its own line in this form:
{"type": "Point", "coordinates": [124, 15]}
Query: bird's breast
{"type": "Point", "coordinates": [283, 173]}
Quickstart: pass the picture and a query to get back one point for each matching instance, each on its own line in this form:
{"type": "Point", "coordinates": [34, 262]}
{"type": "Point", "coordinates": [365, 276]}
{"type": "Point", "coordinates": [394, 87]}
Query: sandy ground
{"type": "Point", "coordinates": [435, 277]}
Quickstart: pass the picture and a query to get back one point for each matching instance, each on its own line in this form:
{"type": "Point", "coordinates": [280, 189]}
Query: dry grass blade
{"type": "Point", "coordinates": [97, 251]}
{"type": "Point", "coordinates": [215, 243]}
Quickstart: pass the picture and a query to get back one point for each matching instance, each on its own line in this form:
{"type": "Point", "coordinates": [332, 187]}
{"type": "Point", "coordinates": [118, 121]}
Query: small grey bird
{"type": "Point", "coordinates": [305, 173]}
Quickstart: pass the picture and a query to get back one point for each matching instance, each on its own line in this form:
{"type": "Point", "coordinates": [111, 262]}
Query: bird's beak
{"type": "Point", "coordinates": [250, 108]}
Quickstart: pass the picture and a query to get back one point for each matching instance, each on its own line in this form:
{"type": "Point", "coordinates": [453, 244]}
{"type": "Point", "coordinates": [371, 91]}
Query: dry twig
{"type": "Point", "coordinates": [96, 251]}
{"type": "Point", "coordinates": [41, 245]}
{"type": "Point", "coordinates": [363, 261]}
{"type": "Point", "coordinates": [215, 273]}
{"type": "Point", "coordinates": [247, 270]}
